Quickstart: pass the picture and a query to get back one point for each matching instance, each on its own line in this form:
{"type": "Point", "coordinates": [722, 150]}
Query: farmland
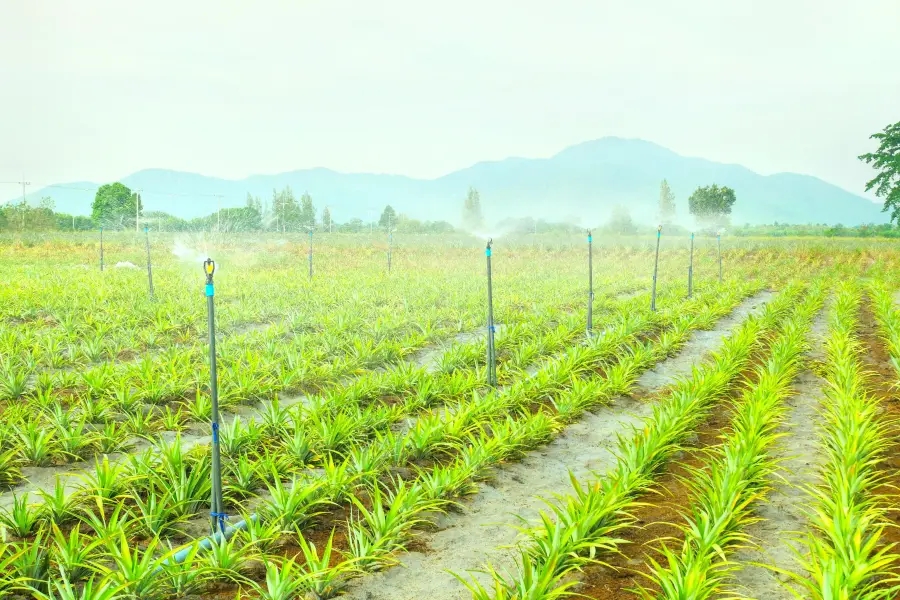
{"type": "Point", "coordinates": [738, 442]}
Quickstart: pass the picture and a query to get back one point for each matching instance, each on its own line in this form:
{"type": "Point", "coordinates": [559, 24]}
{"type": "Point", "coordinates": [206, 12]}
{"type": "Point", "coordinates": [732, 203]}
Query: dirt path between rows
{"type": "Point", "coordinates": [782, 512]}
{"type": "Point", "coordinates": [466, 540]}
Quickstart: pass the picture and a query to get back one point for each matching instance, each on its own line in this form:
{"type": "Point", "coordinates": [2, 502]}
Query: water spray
{"type": "Point", "coordinates": [216, 513]}
{"type": "Point", "coordinates": [655, 270]}
{"type": "Point", "coordinates": [691, 269]}
{"type": "Point", "coordinates": [101, 249]}
{"type": "Point", "coordinates": [590, 307]}
{"type": "Point", "coordinates": [491, 354]}
{"type": "Point", "coordinates": [149, 264]}
{"type": "Point", "coordinates": [719, 247]}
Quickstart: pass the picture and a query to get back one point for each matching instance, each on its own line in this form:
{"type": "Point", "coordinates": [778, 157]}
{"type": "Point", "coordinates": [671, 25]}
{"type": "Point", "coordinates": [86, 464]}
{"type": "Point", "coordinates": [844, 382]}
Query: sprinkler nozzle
{"type": "Point", "coordinates": [659, 228]}
{"type": "Point", "coordinates": [209, 267]}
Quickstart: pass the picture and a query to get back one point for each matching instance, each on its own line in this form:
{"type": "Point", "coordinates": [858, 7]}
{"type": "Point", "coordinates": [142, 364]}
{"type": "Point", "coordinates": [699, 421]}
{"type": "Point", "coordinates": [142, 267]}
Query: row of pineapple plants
{"type": "Point", "coordinates": [584, 524]}
{"type": "Point", "coordinates": [735, 474]}
{"type": "Point", "coordinates": [846, 549]}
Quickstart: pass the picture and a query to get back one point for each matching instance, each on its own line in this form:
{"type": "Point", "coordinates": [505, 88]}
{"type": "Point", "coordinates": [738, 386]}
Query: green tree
{"type": "Point", "coordinates": [115, 206]}
{"type": "Point", "coordinates": [621, 221]}
{"type": "Point", "coordinates": [886, 160]}
{"type": "Point", "coordinates": [712, 204]}
{"type": "Point", "coordinates": [254, 203]}
{"type": "Point", "coordinates": [388, 218]}
{"type": "Point", "coordinates": [42, 218]}
{"type": "Point", "coordinates": [355, 225]}
{"type": "Point", "coordinates": [326, 219]}
{"type": "Point", "coordinates": [472, 218]}
{"type": "Point", "coordinates": [285, 209]}
{"type": "Point", "coordinates": [307, 211]}
{"type": "Point", "coordinates": [666, 203]}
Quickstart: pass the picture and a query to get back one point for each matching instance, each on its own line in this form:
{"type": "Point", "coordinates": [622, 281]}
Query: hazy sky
{"type": "Point", "coordinates": [97, 89]}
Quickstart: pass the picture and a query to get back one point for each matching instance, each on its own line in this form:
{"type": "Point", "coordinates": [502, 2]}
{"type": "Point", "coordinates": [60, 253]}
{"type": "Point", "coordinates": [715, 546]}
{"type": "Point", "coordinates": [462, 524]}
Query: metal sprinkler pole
{"type": "Point", "coordinates": [491, 356]}
{"type": "Point", "coordinates": [390, 248]}
{"type": "Point", "coordinates": [216, 513]}
{"type": "Point", "coordinates": [719, 247]}
{"type": "Point", "coordinates": [101, 249]}
{"type": "Point", "coordinates": [149, 263]}
{"type": "Point", "coordinates": [310, 252]}
{"type": "Point", "coordinates": [590, 308]}
{"type": "Point", "coordinates": [691, 269]}
{"type": "Point", "coordinates": [655, 270]}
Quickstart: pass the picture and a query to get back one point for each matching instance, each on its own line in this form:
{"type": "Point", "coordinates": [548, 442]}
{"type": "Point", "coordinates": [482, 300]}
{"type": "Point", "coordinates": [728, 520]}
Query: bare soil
{"type": "Point", "coordinates": [782, 514]}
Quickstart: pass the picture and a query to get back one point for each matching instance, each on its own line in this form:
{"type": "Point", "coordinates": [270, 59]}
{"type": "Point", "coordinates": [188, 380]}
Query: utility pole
{"type": "Point", "coordinates": [24, 202]}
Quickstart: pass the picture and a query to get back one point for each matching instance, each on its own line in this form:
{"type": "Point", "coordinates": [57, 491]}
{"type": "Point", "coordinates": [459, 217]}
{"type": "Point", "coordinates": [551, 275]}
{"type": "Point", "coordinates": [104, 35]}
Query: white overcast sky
{"type": "Point", "coordinates": [97, 89]}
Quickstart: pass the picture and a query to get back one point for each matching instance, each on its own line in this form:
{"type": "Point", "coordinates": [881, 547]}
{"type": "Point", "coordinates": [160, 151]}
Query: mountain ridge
{"type": "Point", "coordinates": [587, 179]}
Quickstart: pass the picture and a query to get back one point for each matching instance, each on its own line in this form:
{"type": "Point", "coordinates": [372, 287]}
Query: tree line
{"type": "Point", "coordinates": [21, 216]}
{"type": "Point", "coordinates": [117, 207]}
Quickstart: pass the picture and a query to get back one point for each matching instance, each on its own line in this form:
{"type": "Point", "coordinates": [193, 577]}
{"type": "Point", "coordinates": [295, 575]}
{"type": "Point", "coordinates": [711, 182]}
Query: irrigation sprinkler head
{"type": "Point", "coordinates": [659, 229]}
{"type": "Point", "coordinates": [488, 248]}
{"type": "Point", "coordinates": [146, 229]}
{"type": "Point", "coordinates": [209, 267]}
{"type": "Point", "coordinates": [590, 237]}
{"type": "Point", "coordinates": [692, 235]}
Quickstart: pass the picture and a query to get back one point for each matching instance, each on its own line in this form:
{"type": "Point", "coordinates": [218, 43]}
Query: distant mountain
{"type": "Point", "coordinates": [583, 182]}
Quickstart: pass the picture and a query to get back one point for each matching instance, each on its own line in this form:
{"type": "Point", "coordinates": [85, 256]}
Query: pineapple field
{"type": "Point", "coordinates": [607, 431]}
